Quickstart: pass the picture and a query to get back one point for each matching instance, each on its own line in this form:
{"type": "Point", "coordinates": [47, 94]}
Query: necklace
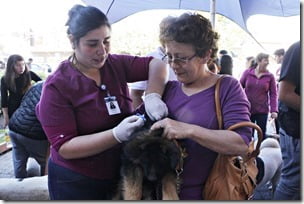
{"type": "Point", "coordinates": [103, 87]}
{"type": "Point", "coordinates": [75, 62]}
{"type": "Point", "coordinates": [87, 72]}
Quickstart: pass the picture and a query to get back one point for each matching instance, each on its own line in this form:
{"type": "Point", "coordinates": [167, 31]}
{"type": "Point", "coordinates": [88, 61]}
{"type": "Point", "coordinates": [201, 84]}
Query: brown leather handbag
{"type": "Point", "coordinates": [233, 177]}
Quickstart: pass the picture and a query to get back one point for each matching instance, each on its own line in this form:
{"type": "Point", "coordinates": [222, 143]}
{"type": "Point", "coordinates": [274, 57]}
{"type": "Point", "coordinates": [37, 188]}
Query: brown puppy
{"type": "Point", "coordinates": [148, 170]}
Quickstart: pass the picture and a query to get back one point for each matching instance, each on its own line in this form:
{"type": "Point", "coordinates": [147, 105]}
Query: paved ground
{"type": "Point", "coordinates": [6, 162]}
{"type": "Point", "coordinates": [6, 165]}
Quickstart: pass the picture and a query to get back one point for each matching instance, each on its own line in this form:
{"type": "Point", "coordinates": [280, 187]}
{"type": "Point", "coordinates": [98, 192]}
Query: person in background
{"type": "Point", "coordinates": [250, 62]}
{"type": "Point", "coordinates": [226, 64]}
{"type": "Point", "coordinates": [279, 55]}
{"type": "Point", "coordinates": [91, 108]}
{"type": "Point", "coordinates": [27, 136]}
{"type": "Point", "coordinates": [2, 65]}
{"type": "Point", "coordinates": [29, 63]}
{"type": "Point", "coordinates": [221, 53]}
{"type": "Point", "coordinates": [213, 66]}
{"type": "Point", "coordinates": [190, 42]}
{"type": "Point", "coordinates": [289, 187]}
{"type": "Point", "coordinates": [138, 88]}
{"type": "Point", "coordinates": [15, 82]}
{"type": "Point", "coordinates": [261, 90]}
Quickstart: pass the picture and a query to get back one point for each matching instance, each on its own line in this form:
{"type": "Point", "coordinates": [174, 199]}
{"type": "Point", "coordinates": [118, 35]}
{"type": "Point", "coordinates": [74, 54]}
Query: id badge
{"type": "Point", "coordinates": [112, 105]}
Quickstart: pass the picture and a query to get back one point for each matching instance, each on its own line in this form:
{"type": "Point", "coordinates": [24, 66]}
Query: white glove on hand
{"type": "Point", "coordinates": [123, 131]}
{"type": "Point", "coordinates": [155, 107]}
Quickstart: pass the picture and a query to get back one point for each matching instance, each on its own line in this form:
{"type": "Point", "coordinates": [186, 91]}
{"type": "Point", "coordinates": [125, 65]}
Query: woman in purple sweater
{"type": "Point", "coordinates": [190, 42]}
{"type": "Point", "coordinates": [261, 90]}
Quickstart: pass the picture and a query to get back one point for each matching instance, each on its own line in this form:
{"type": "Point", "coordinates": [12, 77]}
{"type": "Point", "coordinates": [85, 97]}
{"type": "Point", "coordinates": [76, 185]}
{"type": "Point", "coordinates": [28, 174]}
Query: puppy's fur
{"type": "Point", "coordinates": [148, 167]}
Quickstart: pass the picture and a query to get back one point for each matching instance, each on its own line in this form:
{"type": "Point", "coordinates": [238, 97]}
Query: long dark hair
{"type": "Point", "coordinates": [83, 19]}
{"type": "Point", "coordinates": [10, 74]}
{"type": "Point", "coordinates": [226, 64]}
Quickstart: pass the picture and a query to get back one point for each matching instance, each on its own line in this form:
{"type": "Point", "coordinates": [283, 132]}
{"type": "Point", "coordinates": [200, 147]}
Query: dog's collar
{"type": "Point", "coordinates": [180, 165]}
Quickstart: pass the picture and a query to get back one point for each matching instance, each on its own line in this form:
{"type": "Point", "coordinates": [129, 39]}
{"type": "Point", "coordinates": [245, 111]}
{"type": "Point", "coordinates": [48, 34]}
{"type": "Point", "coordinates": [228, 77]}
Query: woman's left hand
{"type": "Point", "coordinates": [274, 115]}
{"type": "Point", "coordinates": [172, 129]}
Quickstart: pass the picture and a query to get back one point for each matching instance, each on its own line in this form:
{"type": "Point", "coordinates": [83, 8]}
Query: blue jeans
{"type": "Point", "coordinates": [260, 120]}
{"type": "Point", "coordinates": [289, 187]}
{"type": "Point", "coordinates": [65, 184]}
{"type": "Point", "coordinates": [23, 148]}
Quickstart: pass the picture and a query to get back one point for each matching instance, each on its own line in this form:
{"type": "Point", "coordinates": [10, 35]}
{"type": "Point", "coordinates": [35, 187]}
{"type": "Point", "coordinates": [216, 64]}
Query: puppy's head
{"type": "Point", "coordinates": [155, 154]}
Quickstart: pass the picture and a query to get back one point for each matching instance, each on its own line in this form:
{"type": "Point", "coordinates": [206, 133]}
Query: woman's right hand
{"type": "Point", "coordinates": [173, 129]}
{"type": "Point", "coordinates": [124, 130]}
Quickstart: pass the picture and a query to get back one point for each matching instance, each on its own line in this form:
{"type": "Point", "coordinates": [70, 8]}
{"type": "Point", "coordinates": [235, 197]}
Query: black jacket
{"type": "Point", "coordinates": [24, 120]}
{"type": "Point", "coordinates": [10, 99]}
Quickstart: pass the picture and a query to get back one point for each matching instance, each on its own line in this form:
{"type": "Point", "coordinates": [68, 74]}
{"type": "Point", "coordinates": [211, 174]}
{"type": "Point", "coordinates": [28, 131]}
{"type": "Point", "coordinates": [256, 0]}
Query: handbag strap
{"type": "Point", "coordinates": [256, 151]}
{"type": "Point", "coordinates": [219, 116]}
{"type": "Point", "coordinates": [218, 108]}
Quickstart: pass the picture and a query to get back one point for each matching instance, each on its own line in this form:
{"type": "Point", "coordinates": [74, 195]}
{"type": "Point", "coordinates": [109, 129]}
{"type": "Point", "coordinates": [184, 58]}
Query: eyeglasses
{"type": "Point", "coordinates": [178, 61]}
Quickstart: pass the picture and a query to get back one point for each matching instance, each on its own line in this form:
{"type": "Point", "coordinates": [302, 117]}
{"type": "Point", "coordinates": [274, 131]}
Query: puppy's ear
{"type": "Point", "coordinates": [174, 155]}
{"type": "Point", "coordinates": [172, 152]}
{"type": "Point", "coordinates": [157, 132]}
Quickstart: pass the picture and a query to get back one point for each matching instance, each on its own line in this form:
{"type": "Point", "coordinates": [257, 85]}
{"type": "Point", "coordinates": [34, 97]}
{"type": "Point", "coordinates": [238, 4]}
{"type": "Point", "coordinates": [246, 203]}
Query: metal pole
{"type": "Point", "coordinates": [212, 13]}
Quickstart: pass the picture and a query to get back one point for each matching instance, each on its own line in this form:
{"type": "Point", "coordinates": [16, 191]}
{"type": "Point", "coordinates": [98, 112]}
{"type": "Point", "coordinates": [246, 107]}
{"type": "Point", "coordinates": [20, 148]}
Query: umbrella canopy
{"type": "Point", "coordinates": [236, 10]}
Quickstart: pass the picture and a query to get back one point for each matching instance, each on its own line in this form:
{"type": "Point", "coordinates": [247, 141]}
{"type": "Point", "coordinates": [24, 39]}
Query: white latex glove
{"type": "Point", "coordinates": [155, 107]}
{"type": "Point", "coordinates": [123, 131]}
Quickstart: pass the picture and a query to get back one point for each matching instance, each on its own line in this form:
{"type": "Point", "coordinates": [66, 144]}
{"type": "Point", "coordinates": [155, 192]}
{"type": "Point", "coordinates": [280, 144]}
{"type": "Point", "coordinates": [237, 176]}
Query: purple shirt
{"type": "Point", "coordinates": [72, 104]}
{"type": "Point", "coordinates": [199, 109]}
{"type": "Point", "coordinates": [261, 92]}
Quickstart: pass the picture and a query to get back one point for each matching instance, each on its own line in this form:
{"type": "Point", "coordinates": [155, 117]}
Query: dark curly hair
{"type": "Point", "coordinates": [193, 29]}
